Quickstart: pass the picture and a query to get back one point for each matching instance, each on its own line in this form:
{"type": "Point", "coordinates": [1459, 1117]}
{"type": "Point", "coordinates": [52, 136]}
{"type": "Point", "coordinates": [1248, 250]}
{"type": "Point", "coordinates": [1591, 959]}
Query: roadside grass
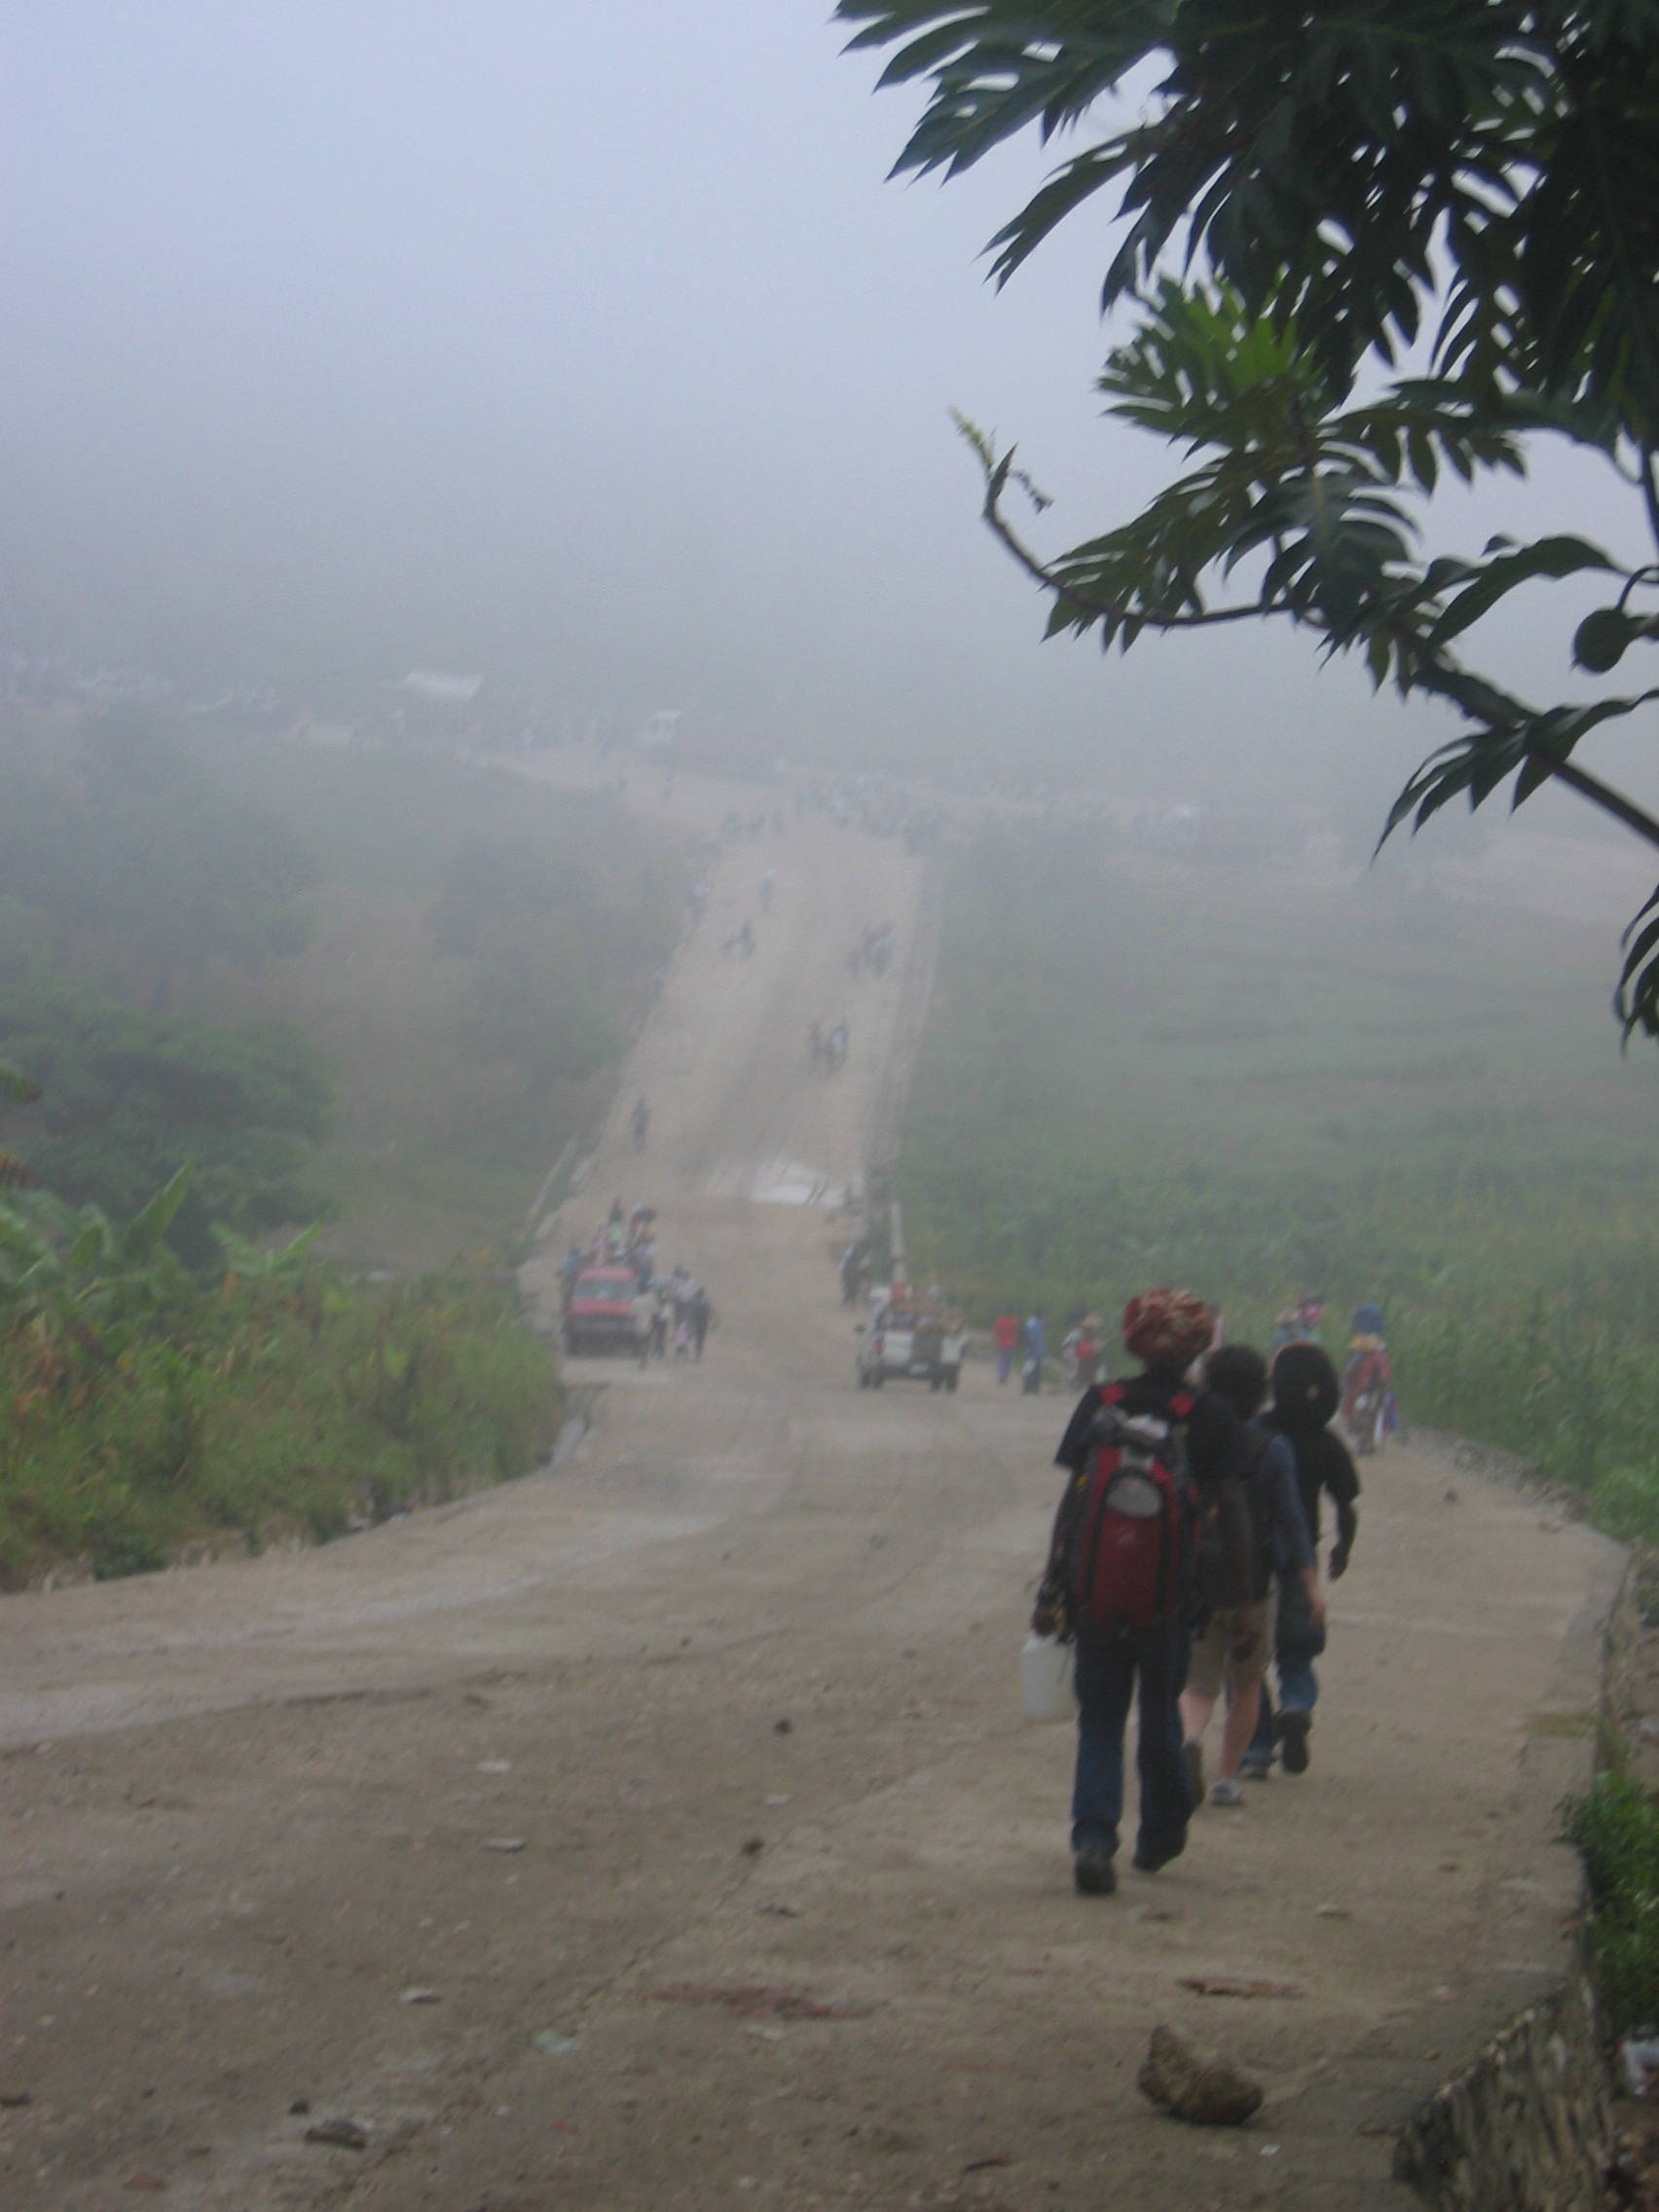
{"type": "Point", "coordinates": [1236, 1075]}
{"type": "Point", "coordinates": [1614, 1827]}
{"type": "Point", "coordinates": [264, 1410]}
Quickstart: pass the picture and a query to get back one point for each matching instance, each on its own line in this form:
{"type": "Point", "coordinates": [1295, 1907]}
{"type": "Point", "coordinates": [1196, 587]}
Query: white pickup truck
{"type": "Point", "coordinates": [901, 1344]}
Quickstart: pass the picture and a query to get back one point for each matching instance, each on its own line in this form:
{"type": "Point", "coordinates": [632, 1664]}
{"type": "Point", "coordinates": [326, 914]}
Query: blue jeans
{"type": "Point", "coordinates": [1107, 1664]}
{"type": "Point", "coordinates": [1296, 1643]}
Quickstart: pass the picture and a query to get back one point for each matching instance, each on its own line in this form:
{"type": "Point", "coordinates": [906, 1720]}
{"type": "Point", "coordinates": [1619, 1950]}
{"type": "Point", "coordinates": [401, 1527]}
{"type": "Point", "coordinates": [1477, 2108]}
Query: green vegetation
{"type": "Point", "coordinates": [128, 1097]}
{"type": "Point", "coordinates": [147, 1409]}
{"type": "Point", "coordinates": [1218, 1069]}
{"type": "Point", "coordinates": [483, 944]}
{"type": "Point", "coordinates": [284, 982]}
{"type": "Point", "coordinates": [1472, 181]}
{"type": "Point", "coordinates": [378, 985]}
{"type": "Point", "coordinates": [121, 859]}
{"type": "Point", "coordinates": [1616, 1828]}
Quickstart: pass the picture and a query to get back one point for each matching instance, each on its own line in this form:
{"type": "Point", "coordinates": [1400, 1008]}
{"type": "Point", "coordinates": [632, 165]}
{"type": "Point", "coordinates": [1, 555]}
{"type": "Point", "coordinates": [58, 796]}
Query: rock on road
{"type": "Point", "coordinates": [661, 1831]}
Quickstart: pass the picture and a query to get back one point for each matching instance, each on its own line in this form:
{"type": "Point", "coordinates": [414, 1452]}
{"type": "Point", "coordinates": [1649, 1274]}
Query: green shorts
{"type": "Point", "coordinates": [1212, 1665]}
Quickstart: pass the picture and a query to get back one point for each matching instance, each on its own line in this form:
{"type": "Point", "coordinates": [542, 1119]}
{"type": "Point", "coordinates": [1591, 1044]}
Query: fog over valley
{"type": "Point", "coordinates": [601, 360]}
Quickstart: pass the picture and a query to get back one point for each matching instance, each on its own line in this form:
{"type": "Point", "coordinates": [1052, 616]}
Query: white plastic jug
{"type": "Point", "coordinates": [1046, 1685]}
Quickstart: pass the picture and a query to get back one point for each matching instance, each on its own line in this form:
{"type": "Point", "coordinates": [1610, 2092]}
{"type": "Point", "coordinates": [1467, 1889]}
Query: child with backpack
{"type": "Point", "coordinates": [1145, 1459]}
{"type": "Point", "coordinates": [1280, 1552]}
{"type": "Point", "coordinates": [1306, 1397]}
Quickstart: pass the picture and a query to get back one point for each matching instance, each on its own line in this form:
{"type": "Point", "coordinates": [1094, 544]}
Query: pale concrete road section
{"type": "Point", "coordinates": [661, 1831]}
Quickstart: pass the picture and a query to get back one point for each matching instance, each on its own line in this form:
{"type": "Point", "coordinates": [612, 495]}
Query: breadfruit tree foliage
{"type": "Point", "coordinates": [1309, 199]}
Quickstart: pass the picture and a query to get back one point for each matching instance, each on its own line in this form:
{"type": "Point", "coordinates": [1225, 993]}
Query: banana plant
{"type": "Point", "coordinates": [70, 1272]}
{"type": "Point", "coordinates": [247, 1261]}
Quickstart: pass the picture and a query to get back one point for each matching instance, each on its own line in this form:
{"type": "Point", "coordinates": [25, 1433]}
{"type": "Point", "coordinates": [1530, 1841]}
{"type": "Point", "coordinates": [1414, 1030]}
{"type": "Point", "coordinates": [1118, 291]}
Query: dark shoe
{"type": "Point", "coordinates": [1149, 1862]}
{"type": "Point", "coordinates": [1093, 1872]}
{"type": "Point", "coordinates": [1292, 1729]}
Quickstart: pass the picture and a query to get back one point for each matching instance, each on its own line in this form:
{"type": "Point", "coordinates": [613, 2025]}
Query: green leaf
{"type": "Point", "coordinates": [1554, 557]}
{"type": "Point", "coordinates": [144, 1233]}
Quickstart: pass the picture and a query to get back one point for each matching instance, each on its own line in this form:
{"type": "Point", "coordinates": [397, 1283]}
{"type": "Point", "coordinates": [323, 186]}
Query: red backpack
{"type": "Point", "coordinates": [1135, 1514]}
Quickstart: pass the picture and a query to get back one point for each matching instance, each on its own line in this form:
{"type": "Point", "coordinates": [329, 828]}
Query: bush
{"type": "Point", "coordinates": [1615, 1829]}
{"type": "Point", "coordinates": [307, 1403]}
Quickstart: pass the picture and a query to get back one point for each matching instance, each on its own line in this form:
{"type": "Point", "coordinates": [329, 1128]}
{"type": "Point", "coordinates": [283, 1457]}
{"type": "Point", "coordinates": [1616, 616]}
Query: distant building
{"type": "Point", "coordinates": [439, 687]}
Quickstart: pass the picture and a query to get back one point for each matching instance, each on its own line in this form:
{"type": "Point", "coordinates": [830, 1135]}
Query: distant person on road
{"type": "Point", "coordinates": [615, 1230]}
{"type": "Point", "coordinates": [1005, 1335]}
{"type": "Point", "coordinates": [1306, 1396]}
{"type": "Point", "coordinates": [1281, 1554]}
{"type": "Point", "coordinates": [568, 1268]}
{"type": "Point", "coordinates": [1369, 1410]}
{"type": "Point", "coordinates": [1130, 1605]}
{"type": "Point", "coordinates": [1083, 1349]}
{"type": "Point", "coordinates": [639, 1122]}
{"type": "Point", "coordinates": [644, 1315]}
{"type": "Point", "coordinates": [1299, 1324]}
{"type": "Point", "coordinates": [1036, 1348]}
{"type": "Point", "coordinates": [702, 1317]}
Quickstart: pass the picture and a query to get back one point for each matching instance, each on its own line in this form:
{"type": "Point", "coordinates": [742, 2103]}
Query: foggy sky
{"type": "Point", "coordinates": [588, 347]}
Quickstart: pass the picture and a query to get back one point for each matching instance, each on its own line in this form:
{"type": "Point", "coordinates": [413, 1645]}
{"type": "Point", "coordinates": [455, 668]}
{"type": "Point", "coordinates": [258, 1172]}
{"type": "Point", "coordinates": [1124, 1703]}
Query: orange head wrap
{"type": "Point", "coordinates": [1168, 1328]}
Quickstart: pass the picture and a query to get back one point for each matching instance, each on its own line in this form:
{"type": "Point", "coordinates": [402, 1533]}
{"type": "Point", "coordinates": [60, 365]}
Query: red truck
{"type": "Point", "coordinates": [600, 1316]}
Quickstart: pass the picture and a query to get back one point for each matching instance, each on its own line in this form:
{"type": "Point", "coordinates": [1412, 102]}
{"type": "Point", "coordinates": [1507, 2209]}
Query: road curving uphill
{"type": "Point", "coordinates": [661, 1830]}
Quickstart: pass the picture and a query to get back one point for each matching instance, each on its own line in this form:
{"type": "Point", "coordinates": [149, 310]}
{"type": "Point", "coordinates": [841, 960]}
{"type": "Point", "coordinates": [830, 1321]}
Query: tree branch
{"type": "Point", "coordinates": [1609, 800]}
{"type": "Point", "coordinates": [1000, 527]}
{"type": "Point", "coordinates": [1405, 641]}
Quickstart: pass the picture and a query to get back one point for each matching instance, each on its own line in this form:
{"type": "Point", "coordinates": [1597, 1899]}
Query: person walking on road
{"type": "Point", "coordinates": [1036, 1348]}
{"type": "Point", "coordinates": [702, 1316]}
{"type": "Point", "coordinates": [1129, 1605]}
{"type": "Point", "coordinates": [1306, 1396]}
{"type": "Point", "coordinates": [1281, 1553]}
{"type": "Point", "coordinates": [643, 1314]}
{"type": "Point", "coordinates": [1005, 1333]}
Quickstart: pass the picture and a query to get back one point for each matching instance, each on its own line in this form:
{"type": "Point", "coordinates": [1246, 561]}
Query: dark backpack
{"type": "Point", "coordinates": [1133, 1518]}
{"type": "Point", "coordinates": [1259, 1499]}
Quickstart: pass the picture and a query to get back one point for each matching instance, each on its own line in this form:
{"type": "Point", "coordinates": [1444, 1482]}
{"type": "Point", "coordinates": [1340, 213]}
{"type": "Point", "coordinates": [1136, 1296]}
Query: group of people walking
{"type": "Point", "coordinates": [1184, 1558]}
{"type": "Point", "coordinates": [1010, 1335]}
{"type": "Point", "coordinates": [675, 1310]}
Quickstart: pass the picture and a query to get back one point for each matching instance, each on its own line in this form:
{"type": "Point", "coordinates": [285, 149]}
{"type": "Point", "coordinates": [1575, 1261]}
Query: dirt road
{"type": "Point", "coordinates": [660, 1831]}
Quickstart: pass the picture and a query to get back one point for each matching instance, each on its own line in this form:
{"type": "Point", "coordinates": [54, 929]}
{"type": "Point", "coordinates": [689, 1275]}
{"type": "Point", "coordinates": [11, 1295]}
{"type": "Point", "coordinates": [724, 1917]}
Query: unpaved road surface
{"type": "Point", "coordinates": [661, 1830]}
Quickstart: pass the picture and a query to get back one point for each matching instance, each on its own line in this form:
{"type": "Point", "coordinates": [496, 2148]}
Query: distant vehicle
{"type": "Point", "coordinates": [897, 1345]}
{"type": "Point", "coordinates": [600, 1316]}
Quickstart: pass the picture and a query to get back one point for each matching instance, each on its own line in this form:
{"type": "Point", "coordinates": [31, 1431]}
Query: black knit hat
{"type": "Point", "coordinates": [1305, 1390]}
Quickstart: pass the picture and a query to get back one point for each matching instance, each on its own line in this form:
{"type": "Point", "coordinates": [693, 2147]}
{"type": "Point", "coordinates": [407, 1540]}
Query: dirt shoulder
{"type": "Point", "coordinates": [662, 1831]}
